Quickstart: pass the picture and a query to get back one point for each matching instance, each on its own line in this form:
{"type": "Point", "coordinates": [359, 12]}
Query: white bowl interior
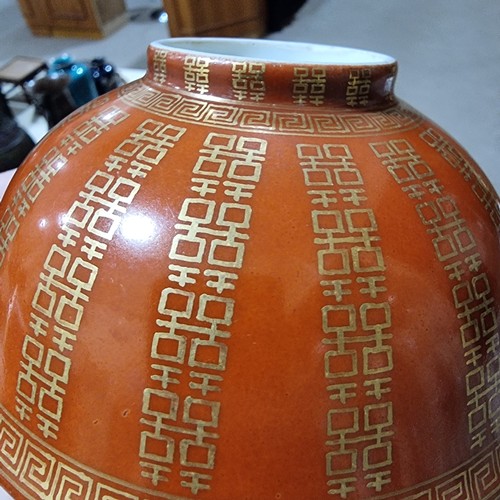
{"type": "Point", "coordinates": [276, 51]}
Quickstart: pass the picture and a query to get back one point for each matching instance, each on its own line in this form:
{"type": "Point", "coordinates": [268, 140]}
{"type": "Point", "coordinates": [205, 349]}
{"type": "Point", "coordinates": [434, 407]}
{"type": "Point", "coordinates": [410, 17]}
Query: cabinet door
{"type": "Point", "coordinates": [78, 14]}
{"type": "Point", "coordinates": [74, 18]}
{"type": "Point", "coordinates": [36, 16]}
{"type": "Point", "coordinates": [216, 17]}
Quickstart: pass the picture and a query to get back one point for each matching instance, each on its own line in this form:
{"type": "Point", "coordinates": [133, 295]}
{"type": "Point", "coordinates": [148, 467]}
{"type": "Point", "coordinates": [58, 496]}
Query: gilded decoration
{"type": "Point", "coordinates": [456, 249]}
{"type": "Point", "coordinates": [357, 336]}
{"type": "Point", "coordinates": [283, 121]}
{"type": "Point", "coordinates": [67, 278]}
{"type": "Point", "coordinates": [195, 314]}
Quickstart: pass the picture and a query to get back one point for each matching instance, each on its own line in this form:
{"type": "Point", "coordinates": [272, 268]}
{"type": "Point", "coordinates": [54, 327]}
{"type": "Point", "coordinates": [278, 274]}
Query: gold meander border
{"type": "Point", "coordinates": [189, 109]}
{"type": "Point", "coordinates": [17, 445]}
{"type": "Point", "coordinates": [38, 470]}
{"type": "Point", "coordinates": [466, 479]}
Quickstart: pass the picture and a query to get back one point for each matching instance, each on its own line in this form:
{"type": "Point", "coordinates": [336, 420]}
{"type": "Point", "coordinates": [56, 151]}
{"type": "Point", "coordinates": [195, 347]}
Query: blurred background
{"type": "Point", "coordinates": [448, 51]}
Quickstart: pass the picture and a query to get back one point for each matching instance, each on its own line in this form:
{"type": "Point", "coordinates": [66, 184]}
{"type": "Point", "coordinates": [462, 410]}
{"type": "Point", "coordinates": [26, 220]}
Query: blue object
{"type": "Point", "coordinates": [81, 85]}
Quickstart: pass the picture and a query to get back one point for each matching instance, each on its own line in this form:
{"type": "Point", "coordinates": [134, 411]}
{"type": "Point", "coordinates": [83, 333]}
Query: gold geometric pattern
{"type": "Point", "coordinates": [469, 172]}
{"type": "Point", "coordinates": [358, 87]}
{"type": "Point", "coordinates": [309, 85]}
{"type": "Point", "coordinates": [248, 81]}
{"type": "Point", "coordinates": [67, 278]}
{"type": "Point", "coordinates": [181, 406]}
{"type": "Point", "coordinates": [457, 251]}
{"type": "Point", "coordinates": [477, 478]}
{"type": "Point", "coordinates": [196, 73]}
{"type": "Point", "coordinates": [160, 66]}
{"type": "Point", "coordinates": [37, 470]}
{"type": "Point", "coordinates": [358, 363]}
{"type": "Point", "coordinates": [26, 195]}
{"type": "Point", "coordinates": [246, 117]}
{"type": "Point", "coordinates": [57, 157]}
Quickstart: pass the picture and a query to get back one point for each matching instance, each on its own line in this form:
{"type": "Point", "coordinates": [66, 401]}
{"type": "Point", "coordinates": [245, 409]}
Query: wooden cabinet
{"type": "Point", "coordinates": [216, 17]}
{"type": "Point", "coordinates": [74, 18]}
